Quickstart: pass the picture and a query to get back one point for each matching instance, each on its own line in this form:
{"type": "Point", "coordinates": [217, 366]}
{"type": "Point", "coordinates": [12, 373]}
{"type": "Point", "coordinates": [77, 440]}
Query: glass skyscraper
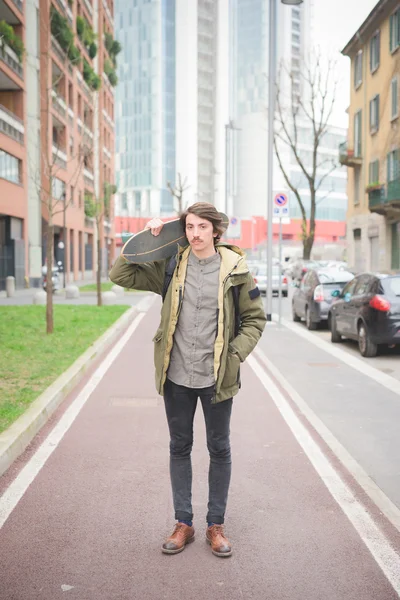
{"type": "Point", "coordinates": [145, 106]}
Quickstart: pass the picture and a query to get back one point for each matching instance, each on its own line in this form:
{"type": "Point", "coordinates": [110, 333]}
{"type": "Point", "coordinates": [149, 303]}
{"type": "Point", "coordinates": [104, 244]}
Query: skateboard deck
{"type": "Point", "coordinates": [145, 247]}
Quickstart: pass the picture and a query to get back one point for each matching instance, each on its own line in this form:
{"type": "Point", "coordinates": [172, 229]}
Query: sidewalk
{"type": "Point", "coordinates": [25, 296]}
{"type": "Point", "coordinates": [92, 521]}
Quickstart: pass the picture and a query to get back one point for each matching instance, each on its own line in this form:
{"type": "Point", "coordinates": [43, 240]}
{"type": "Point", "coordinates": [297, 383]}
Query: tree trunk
{"type": "Point", "coordinates": [99, 265]}
{"type": "Point", "coordinates": [308, 243]}
{"type": "Point", "coordinates": [49, 285]}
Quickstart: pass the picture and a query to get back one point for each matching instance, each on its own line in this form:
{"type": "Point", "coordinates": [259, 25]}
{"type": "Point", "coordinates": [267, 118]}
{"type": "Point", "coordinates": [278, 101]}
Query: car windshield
{"type": "Point", "coordinates": [263, 271]}
{"type": "Point", "coordinates": [391, 286]}
{"type": "Point", "coordinates": [326, 277]}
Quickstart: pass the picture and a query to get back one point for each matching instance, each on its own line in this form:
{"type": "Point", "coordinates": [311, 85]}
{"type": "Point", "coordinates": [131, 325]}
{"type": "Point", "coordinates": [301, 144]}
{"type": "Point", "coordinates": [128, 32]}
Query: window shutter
{"type": "Point", "coordinates": [391, 35]}
{"type": "Point", "coordinates": [377, 111]}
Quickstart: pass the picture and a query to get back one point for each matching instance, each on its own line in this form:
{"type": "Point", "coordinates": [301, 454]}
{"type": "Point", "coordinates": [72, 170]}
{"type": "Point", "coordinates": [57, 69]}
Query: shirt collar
{"type": "Point", "coordinates": [203, 261]}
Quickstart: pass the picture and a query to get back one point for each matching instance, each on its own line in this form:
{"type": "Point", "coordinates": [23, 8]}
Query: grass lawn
{"type": "Point", "coordinates": [105, 287]}
{"type": "Point", "coordinates": [31, 360]}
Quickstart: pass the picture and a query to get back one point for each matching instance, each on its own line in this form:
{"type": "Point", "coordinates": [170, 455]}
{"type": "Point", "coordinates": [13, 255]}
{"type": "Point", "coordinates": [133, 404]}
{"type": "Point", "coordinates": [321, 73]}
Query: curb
{"type": "Point", "coordinates": [18, 436]}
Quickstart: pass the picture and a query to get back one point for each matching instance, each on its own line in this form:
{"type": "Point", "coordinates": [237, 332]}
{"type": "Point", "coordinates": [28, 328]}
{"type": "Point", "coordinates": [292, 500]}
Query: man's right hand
{"type": "Point", "coordinates": [155, 226]}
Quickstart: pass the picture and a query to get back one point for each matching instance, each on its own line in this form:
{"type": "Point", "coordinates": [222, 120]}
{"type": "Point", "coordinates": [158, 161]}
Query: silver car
{"type": "Point", "coordinates": [260, 277]}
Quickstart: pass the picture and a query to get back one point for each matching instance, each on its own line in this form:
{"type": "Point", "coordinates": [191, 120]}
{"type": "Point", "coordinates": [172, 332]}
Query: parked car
{"type": "Point", "coordinates": [368, 310]}
{"type": "Point", "coordinates": [260, 277]}
{"type": "Point", "coordinates": [301, 267]}
{"type": "Point", "coordinates": [313, 298]}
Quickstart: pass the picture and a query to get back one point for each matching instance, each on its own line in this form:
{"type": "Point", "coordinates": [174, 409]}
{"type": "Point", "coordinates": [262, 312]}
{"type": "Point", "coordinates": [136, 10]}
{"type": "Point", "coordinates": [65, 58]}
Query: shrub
{"type": "Point", "coordinates": [8, 37]}
{"type": "Point", "coordinates": [112, 78]}
{"type": "Point", "coordinates": [92, 50]}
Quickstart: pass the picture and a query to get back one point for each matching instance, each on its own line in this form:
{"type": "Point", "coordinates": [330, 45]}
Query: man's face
{"type": "Point", "coordinates": [199, 233]}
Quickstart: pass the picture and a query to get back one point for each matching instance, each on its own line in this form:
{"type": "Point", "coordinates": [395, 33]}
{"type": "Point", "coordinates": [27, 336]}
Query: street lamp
{"type": "Point", "coordinates": [271, 113]}
{"type": "Point", "coordinates": [228, 126]}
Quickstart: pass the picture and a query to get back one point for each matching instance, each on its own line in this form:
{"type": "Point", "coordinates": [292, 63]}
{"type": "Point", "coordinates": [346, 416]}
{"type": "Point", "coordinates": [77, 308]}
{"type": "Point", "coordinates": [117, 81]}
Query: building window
{"type": "Point", "coordinates": [295, 38]}
{"type": "Point", "coordinates": [356, 187]}
{"type": "Point", "coordinates": [374, 51]}
{"type": "Point", "coordinates": [393, 170]}
{"type": "Point", "coordinates": [358, 69]}
{"type": "Point", "coordinates": [72, 195]}
{"type": "Point", "coordinates": [374, 171]}
{"type": "Point", "coordinates": [295, 13]}
{"type": "Point", "coordinates": [58, 189]}
{"type": "Point", "coordinates": [357, 133]}
{"type": "Point", "coordinates": [10, 167]}
{"type": "Point", "coordinates": [395, 98]}
{"type": "Point", "coordinates": [374, 114]}
{"type": "Point", "coordinates": [295, 26]}
{"type": "Point", "coordinates": [395, 30]}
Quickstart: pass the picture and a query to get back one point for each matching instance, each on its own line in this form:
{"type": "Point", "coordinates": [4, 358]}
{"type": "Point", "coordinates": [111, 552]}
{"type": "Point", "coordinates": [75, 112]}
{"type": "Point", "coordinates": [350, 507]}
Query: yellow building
{"type": "Point", "coordinates": [372, 152]}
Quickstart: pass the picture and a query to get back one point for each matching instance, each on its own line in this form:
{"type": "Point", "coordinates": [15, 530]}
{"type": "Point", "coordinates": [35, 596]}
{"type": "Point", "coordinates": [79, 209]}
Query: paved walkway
{"type": "Point", "coordinates": [90, 524]}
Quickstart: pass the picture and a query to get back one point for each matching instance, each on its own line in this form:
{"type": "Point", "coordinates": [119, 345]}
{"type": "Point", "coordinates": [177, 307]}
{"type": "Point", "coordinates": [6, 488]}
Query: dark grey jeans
{"type": "Point", "coordinates": [180, 406]}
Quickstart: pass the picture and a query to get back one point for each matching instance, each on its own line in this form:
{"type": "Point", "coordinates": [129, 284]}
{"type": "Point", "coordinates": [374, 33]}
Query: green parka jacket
{"type": "Point", "coordinates": [229, 351]}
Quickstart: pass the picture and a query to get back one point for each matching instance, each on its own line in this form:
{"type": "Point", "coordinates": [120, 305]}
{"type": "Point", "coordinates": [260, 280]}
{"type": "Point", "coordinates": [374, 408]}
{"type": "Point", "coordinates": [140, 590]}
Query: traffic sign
{"type": "Point", "coordinates": [281, 206]}
{"type": "Point", "coordinates": [235, 228]}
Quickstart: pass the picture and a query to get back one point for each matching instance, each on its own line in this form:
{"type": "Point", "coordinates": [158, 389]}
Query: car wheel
{"type": "Point", "coordinates": [295, 316]}
{"type": "Point", "coordinates": [311, 325]}
{"type": "Point", "coordinates": [335, 336]}
{"type": "Point", "coordinates": [366, 346]}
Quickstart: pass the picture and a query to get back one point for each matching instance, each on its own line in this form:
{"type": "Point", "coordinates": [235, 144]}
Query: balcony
{"type": "Point", "coordinates": [89, 7]}
{"type": "Point", "coordinates": [348, 156]}
{"type": "Point", "coordinates": [89, 222]}
{"type": "Point", "coordinates": [19, 4]}
{"type": "Point", "coordinates": [71, 116]}
{"type": "Point", "coordinates": [108, 12]}
{"type": "Point", "coordinates": [84, 87]}
{"type": "Point", "coordinates": [59, 157]}
{"type": "Point", "coordinates": [9, 57]}
{"type": "Point", "coordinates": [383, 201]}
{"type": "Point", "coordinates": [59, 104]}
{"type": "Point", "coordinates": [65, 9]}
{"type": "Point", "coordinates": [58, 51]}
{"type": "Point", "coordinates": [108, 118]}
{"type": "Point", "coordinates": [88, 177]}
{"type": "Point", "coordinates": [11, 125]}
{"type": "Point", "coordinates": [87, 132]}
{"type": "Point", "coordinates": [107, 153]}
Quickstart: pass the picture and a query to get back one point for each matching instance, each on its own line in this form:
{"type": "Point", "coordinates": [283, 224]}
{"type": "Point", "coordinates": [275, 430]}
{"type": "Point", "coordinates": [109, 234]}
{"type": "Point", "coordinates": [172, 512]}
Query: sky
{"type": "Point", "coordinates": [335, 23]}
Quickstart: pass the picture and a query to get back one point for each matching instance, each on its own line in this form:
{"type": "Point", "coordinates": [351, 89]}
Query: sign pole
{"type": "Point", "coordinates": [280, 271]}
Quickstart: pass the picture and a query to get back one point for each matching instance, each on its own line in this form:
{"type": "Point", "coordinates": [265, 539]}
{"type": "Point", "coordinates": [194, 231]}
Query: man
{"type": "Point", "coordinates": [197, 354]}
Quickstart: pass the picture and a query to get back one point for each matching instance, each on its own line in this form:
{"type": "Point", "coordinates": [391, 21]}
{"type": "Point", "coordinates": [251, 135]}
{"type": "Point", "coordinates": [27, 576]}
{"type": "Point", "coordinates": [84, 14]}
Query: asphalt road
{"type": "Point", "coordinates": [84, 511]}
{"type": "Point", "coordinates": [387, 362]}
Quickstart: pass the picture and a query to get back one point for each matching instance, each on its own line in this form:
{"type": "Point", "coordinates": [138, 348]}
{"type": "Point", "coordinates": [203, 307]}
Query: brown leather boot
{"type": "Point", "coordinates": [220, 545]}
{"type": "Point", "coordinates": [183, 534]}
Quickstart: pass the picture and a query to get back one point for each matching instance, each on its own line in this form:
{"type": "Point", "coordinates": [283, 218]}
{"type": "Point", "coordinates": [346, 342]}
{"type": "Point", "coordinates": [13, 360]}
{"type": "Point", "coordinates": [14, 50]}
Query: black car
{"type": "Point", "coordinates": [313, 298]}
{"type": "Point", "coordinates": [368, 311]}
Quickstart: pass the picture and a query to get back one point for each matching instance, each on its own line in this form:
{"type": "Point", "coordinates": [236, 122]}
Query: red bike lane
{"type": "Point", "coordinates": [91, 524]}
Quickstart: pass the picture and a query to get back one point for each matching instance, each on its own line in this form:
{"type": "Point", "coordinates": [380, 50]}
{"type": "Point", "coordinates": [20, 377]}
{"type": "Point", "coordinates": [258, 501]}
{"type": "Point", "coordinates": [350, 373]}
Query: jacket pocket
{"type": "Point", "coordinates": [158, 355]}
{"type": "Point", "coordinates": [231, 371]}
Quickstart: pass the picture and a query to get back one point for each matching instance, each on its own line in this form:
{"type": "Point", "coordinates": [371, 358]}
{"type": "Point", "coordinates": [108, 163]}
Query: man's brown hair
{"type": "Point", "coordinates": [207, 211]}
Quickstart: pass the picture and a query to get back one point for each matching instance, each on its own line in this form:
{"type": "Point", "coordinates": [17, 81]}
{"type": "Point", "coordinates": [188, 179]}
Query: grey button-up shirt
{"type": "Point", "coordinates": [192, 356]}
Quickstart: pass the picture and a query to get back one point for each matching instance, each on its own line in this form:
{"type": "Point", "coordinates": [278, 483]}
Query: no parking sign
{"type": "Point", "coordinates": [281, 206]}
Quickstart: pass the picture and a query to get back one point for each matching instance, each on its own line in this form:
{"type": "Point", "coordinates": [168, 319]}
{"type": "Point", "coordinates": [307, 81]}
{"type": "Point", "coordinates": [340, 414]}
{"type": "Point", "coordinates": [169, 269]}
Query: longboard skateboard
{"type": "Point", "coordinates": [145, 247]}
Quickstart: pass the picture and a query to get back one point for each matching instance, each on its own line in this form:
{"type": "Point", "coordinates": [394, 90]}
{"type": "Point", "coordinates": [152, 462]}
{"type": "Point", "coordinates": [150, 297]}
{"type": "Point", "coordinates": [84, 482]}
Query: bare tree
{"type": "Point", "coordinates": [309, 108]}
{"type": "Point", "coordinates": [177, 192]}
{"type": "Point", "coordinates": [98, 209]}
{"type": "Point", "coordinates": [55, 156]}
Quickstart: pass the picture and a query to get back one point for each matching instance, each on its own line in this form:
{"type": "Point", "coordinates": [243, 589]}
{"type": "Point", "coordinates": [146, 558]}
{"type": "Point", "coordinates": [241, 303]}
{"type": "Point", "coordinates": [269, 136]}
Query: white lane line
{"type": "Point", "coordinates": [385, 505]}
{"type": "Point", "coordinates": [370, 534]}
{"type": "Point", "coordinates": [18, 487]}
{"type": "Point", "coordinates": [387, 381]}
